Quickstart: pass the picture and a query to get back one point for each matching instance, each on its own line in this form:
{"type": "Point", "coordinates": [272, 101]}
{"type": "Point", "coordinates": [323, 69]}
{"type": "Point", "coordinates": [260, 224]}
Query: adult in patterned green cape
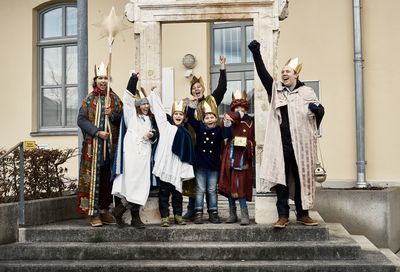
{"type": "Point", "coordinates": [94, 187]}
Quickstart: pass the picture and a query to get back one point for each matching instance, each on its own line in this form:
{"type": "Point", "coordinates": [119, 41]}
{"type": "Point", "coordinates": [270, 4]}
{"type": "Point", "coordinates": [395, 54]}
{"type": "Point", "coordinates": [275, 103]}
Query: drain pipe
{"type": "Point", "coordinates": [358, 66]}
{"type": "Point", "coordinates": [82, 8]}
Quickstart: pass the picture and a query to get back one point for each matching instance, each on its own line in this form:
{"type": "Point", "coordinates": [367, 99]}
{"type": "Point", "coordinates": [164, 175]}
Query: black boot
{"type": "Point", "coordinates": [213, 217]}
{"type": "Point", "coordinates": [198, 219]}
{"type": "Point", "coordinates": [136, 222]}
{"type": "Point", "coordinates": [118, 212]}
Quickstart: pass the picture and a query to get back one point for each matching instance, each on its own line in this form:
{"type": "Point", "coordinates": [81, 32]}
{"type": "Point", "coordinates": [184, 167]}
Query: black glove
{"type": "Point", "coordinates": [254, 46]}
{"type": "Point", "coordinates": [132, 84]}
{"type": "Point", "coordinates": [313, 107]}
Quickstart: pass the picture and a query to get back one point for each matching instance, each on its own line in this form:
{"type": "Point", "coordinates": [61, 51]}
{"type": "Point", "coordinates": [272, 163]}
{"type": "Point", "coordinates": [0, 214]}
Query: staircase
{"type": "Point", "coordinates": [75, 246]}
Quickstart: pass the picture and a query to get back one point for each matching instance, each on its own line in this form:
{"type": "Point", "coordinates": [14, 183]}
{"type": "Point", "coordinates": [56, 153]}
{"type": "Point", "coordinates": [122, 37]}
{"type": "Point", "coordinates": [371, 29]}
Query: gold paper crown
{"type": "Point", "coordinates": [238, 94]}
{"type": "Point", "coordinates": [294, 64]}
{"type": "Point", "coordinates": [141, 93]}
{"type": "Point", "coordinates": [179, 106]}
{"type": "Point", "coordinates": [100, 70]}
{"type": "Point", "coordinates": [207, 108]}
{"type": "Point", "coordinates": [195, 80]}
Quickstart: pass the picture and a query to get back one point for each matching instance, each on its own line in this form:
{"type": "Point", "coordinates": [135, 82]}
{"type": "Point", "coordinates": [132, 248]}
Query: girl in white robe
{"type": "Point", "coordinates": [171, 166]}
{"type": "Point", "coordinates": [133, 184]}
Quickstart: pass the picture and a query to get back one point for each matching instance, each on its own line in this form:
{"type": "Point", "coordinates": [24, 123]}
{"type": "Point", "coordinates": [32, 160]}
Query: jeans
{"type": "Point", "coordinates": [232, 202]}
{"type": "Point", "coordinates": [206, 182]}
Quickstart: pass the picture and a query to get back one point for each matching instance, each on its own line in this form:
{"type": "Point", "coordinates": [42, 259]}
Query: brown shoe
{"type": "Point", "coordinates": [108, 219]}
{"type": "Point", "coordinates": [96, 221]}
{"type": "Point", "coordinates": [281, 223]}
{"type": "Point", "coordinates": [307, 220]}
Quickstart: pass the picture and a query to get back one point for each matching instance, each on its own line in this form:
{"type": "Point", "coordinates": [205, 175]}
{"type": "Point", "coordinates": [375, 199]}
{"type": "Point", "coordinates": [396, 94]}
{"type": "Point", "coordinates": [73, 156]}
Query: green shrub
{"type": "Point", "coordinates": [44, 174]}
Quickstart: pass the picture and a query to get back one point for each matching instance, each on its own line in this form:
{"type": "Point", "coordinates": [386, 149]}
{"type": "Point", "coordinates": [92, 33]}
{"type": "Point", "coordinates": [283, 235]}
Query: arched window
{"type": "Point", "coordinates": [57, 64]}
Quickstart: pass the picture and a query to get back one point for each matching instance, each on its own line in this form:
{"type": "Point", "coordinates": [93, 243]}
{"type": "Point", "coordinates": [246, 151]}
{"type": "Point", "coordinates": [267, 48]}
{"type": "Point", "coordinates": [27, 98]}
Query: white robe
{"type": "Point", "coordinates": [168, 167]}
{"type": "Point", "coordinates": [134, 182]}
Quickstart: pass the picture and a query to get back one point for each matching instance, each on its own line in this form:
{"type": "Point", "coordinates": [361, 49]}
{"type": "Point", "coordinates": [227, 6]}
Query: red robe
{"type": "Point", "coordinates": [237, 161]}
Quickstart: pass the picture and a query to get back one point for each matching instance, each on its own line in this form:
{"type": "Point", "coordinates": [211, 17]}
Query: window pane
{"type": "Point", "coordinates": [72, 106]}
{"type": "Point", "coordinates": [71, 21]}
{"type": "Point", "coordinates": [52, 23]}
{"type": "Point", "coordinates": [227, 43]}
{"type": "Point", "coordinates": [249, 38]}
{"type": "Point", "coordinates": [71, 68]}
{"type": "Point", "coordinates": [51, 107]}
{"type": "Point", "coordinates": [52, 61]}
{"type": "Point", "coordinates": [232, 86]}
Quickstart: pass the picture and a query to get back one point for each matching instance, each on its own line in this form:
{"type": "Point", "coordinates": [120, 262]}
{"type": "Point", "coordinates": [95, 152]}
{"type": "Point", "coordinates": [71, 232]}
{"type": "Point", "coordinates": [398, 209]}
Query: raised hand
{"type": "Point", "coordinates": [254, 46]}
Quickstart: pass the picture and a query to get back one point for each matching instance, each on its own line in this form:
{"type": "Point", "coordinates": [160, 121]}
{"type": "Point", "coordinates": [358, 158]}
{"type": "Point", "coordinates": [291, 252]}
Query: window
{"type": "Point", "coordinates": [230, 39]}
{"type": "Point", "coordinates": [58, 64]}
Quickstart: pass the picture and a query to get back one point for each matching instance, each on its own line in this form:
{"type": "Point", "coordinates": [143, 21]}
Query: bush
{"type": "Point", "coordinates": [44, 174]}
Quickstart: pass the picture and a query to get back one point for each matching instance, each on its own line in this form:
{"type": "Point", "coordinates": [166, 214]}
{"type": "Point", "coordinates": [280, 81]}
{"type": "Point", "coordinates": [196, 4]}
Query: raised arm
{"type": "Point", "coordinates": [220, 91]}
{"type": "Point", "coordinates": [158, 110]}
{"type": "Point", "coordinates": [262, 72]}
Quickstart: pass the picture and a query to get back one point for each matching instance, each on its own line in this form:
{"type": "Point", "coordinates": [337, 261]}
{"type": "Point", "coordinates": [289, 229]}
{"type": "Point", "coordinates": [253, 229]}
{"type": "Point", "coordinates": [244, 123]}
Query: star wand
{"type": "Point", "coordinates": [110, 26]}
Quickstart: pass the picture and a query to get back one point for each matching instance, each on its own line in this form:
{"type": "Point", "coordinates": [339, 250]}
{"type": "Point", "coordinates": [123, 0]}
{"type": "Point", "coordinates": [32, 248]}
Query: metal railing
{"type": "Point", "coordinates": [21, 203]}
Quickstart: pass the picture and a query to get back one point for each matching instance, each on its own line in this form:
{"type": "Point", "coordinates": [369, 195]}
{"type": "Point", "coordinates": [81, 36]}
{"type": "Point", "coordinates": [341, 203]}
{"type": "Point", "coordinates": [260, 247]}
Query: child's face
{"type": "Point", "coordinates": [240, 109]}
{"type": "Point", "coordinates": [178, 117]}
{"type": "Point", "coordinates": [210, 120]}
{"type": "Point", "coordinates": [145, 108]}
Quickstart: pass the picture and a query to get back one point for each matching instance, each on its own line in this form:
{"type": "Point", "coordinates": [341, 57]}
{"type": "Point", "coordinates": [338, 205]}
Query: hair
{"type": "Point", "coordinates": [240, 102]}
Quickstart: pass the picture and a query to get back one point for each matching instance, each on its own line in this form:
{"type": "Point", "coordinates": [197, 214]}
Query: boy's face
{"type": "Point", "coordinates": [178, 117]}
{"type": "Point", "coordinates": [210, 120]}
{"type": "Point", "coordinates": [240, 109]}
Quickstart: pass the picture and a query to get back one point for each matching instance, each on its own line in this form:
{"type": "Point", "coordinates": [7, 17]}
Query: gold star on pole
{"type": "Point", "coordinates": [111, 26]}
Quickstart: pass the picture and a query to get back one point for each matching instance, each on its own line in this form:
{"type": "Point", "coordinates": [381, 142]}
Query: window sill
{"type": "Point", "coordinates": [71, 132]}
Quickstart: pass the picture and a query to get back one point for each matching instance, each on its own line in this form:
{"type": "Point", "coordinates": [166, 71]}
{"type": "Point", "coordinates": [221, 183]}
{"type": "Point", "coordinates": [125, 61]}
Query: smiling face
{"type": "Point", "coordinates": [178, 117]}
{"type": "Point", "coordinates": [101, 82]}
{"type": "Point", "coordinates": [197, 90]}
{"type": "Point", "coordinates": [289, 77]}
{"type": "Point", "coordinates": [144, 108]}
{"type": "Point", "coordinates": [210, 120]}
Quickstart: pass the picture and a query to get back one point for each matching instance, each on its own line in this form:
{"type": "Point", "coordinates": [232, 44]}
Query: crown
{"type": "Point", "coordinates": [141, 93]}
{"type": "Point", "coordinates": [179, 106]}
{"type": "Point", "coordinates": [238, 94]}
{"type": "Point", "coordinates": [195, 80]}
{"type": "Point", "coordinates": [100, 70]}
{"type": "Point", "coordinates": [207, 108]}
{"type": "Point", "coordinates": [294, 64]}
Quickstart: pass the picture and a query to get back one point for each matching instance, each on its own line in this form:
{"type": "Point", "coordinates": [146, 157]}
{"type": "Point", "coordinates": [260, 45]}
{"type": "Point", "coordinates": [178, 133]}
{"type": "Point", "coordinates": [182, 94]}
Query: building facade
{"type": "Point", "coordinates": [40, 70]}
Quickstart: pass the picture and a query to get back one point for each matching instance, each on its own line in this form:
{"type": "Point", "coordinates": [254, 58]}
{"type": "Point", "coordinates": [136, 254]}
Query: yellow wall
{"type": "Point", "coordinates": [179, 40]}
{"type": "Point", "coordinates": [319, 32]}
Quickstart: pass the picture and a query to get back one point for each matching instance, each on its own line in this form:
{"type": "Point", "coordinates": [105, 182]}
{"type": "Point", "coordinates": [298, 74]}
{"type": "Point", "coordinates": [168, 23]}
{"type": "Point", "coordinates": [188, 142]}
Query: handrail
{"type": "Point", "coordinates": [11, 150]}
{"type": "Point", "coordinates": [21, 203]}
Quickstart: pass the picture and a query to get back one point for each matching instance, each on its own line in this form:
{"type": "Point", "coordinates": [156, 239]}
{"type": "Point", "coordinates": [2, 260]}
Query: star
{"type": "Point", "coordinates": [111, 26]}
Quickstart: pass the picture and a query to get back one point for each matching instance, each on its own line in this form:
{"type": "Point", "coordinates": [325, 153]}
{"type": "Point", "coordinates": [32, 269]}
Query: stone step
{"type": "Point", "coordinates": [338, 249]}
{"type": "Point", "coordinates": [370, 263]}
{"type": "Point", "coordinates": [79, 230]}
